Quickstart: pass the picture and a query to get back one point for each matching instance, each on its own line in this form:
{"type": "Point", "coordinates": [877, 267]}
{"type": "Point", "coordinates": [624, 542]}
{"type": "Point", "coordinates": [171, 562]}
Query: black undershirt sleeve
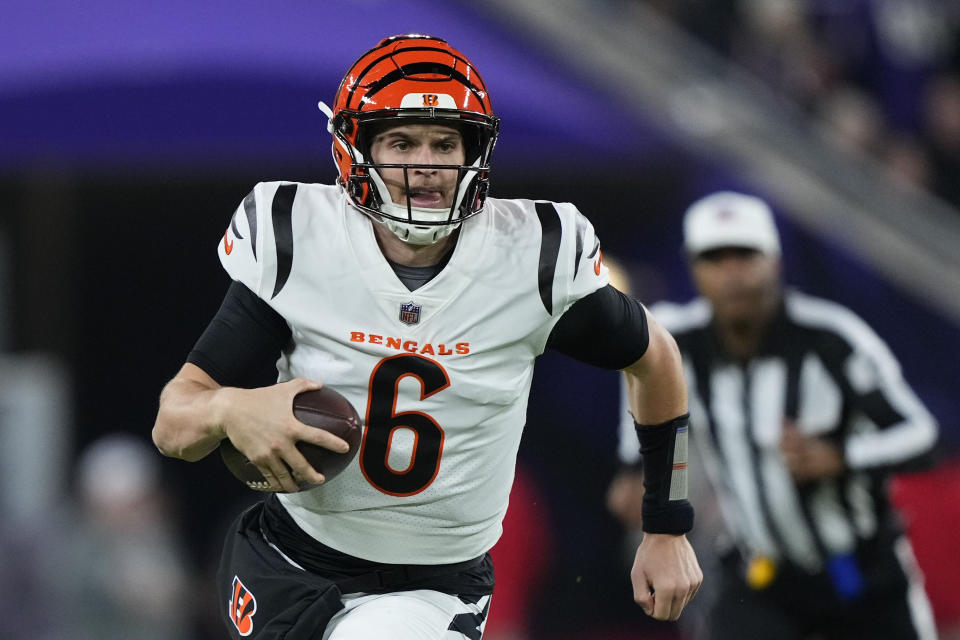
{"type": "Point", "coordinates": [606, 329]}
{"type": "Point", "coordinates": [243, 341]}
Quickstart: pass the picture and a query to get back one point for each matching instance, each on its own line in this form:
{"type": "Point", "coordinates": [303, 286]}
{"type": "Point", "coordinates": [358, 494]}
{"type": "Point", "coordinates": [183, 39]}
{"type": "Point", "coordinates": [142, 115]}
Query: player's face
{"type": "Point", "coordinates": [742, 285]}
{"type": "Point", "coordinates": [420, 144]}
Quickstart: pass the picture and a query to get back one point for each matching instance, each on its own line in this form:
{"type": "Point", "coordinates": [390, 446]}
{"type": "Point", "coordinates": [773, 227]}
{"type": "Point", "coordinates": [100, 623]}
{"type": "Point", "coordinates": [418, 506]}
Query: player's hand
{"type": "Point", "coordinates": [261, 425]}
{"type": "Point", "coordinates": [810, 459]}
{"type": "Point", "coordinates": [625, 498]}
{"type": "Point", "coordinates": [665, 575]}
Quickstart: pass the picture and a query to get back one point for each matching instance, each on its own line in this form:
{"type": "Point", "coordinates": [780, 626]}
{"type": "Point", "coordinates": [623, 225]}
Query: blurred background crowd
{"type": "Point", "coordinates": [881, 76]}
{"type": "Point", "coordinates": [128, 135]}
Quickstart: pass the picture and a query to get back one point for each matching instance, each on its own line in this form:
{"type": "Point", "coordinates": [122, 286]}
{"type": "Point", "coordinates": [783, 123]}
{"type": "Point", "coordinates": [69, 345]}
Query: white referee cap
{"type": "Point", "coordinates": [730, 219]}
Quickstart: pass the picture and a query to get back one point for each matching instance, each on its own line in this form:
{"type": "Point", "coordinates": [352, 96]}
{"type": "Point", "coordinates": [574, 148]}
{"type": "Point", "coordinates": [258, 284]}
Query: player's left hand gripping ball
{"type": "Point", "coordinates": [322, 408]}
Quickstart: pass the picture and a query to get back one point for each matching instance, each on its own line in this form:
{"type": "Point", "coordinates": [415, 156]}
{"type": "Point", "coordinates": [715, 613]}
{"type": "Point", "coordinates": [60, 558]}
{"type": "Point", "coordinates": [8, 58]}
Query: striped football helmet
{"type": "Point", "coordinates": [412, 79]}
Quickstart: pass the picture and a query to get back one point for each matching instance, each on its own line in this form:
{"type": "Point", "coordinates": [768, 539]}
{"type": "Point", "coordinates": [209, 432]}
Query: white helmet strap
{"type": "Point", "coordinates": [327, 111]}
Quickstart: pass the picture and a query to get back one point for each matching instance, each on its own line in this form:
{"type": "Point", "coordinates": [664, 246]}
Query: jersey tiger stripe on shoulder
{"type": "Point", "coordinates": [249, 208]}
{"type": "Point", "coordinates": [552, 233]}
{"type": "Point", "coordinates": [252, 223]}
{"type": "Point", "coordinates": [282, 210]}
{"type": "Point", "coordinates": [561, 280]}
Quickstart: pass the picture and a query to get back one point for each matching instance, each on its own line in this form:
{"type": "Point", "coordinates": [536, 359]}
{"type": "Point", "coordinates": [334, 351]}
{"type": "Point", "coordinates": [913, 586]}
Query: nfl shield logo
{"type": "Point", "coordinates": [409, 313]}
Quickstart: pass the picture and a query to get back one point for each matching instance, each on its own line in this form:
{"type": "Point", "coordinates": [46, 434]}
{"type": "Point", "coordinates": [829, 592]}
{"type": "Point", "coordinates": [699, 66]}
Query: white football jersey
{"type": "Point", "coordinates": [440, 375]}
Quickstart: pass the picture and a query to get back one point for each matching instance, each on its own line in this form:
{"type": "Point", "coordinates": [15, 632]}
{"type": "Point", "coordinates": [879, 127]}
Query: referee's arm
{"type": "Point", "coordinates": [891, 429]}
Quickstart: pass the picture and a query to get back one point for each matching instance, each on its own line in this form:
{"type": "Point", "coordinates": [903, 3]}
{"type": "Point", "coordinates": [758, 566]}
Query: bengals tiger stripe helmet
{"type": "Point", "coordinates": [410, 79]}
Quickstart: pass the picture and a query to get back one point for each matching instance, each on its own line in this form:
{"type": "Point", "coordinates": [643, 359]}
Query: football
{"type": "Point", "coordinates": [322, 408]}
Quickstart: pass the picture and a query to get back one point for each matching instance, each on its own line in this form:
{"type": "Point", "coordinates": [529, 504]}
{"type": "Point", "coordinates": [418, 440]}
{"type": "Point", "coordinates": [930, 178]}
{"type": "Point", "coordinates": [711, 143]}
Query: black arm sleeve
{"type": "Point", "coordinates": [240, 346]}
{"type": "Point", "coordinates": [606, 329]}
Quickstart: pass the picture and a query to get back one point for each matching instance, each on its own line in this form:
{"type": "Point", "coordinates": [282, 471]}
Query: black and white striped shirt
{"type": "Point", "coordinates": [824, 370]}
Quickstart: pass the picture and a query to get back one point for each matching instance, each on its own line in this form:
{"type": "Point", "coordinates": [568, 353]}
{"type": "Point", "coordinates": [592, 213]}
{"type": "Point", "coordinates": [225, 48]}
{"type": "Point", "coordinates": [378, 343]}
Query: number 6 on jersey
{"type": "Point", "coordinates": [383, 421]}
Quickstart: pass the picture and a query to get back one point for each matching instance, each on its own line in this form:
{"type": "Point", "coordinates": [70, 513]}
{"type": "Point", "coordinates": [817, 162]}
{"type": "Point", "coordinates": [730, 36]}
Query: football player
{"type": "Point", "coordinates": [425, 303]}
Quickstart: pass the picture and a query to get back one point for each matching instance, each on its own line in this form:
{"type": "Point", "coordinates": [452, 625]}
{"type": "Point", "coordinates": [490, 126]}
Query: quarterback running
{"type": "Point", "coordinates": [425, 302]}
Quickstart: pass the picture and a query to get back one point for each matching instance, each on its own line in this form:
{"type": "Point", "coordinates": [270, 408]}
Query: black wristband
{"type": "Point", "coordinates": [663, 449]}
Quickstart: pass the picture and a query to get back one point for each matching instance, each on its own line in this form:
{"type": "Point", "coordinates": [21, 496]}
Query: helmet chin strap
{"type": "Point", "coordinates": [418, 234]}
{"type": "Point", "coordinates": [412, 232]}
{"type": "Point", "coordinates": [407, 231]}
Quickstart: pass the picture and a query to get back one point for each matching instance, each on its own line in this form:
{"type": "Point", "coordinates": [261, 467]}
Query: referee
{"type": "Point", "coordinates": [799, 413]}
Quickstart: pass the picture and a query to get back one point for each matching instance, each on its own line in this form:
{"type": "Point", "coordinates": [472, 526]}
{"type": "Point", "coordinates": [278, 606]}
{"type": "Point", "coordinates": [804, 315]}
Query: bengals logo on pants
{"type": "Point", "coordinates": [241, 608]}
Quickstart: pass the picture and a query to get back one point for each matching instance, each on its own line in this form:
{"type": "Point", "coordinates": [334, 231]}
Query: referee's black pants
{"type": "Point", "coordinates": [801, 606]}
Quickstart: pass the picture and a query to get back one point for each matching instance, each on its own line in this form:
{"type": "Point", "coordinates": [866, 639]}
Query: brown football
{"type": "Point", "coordinates": [322, 408]}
